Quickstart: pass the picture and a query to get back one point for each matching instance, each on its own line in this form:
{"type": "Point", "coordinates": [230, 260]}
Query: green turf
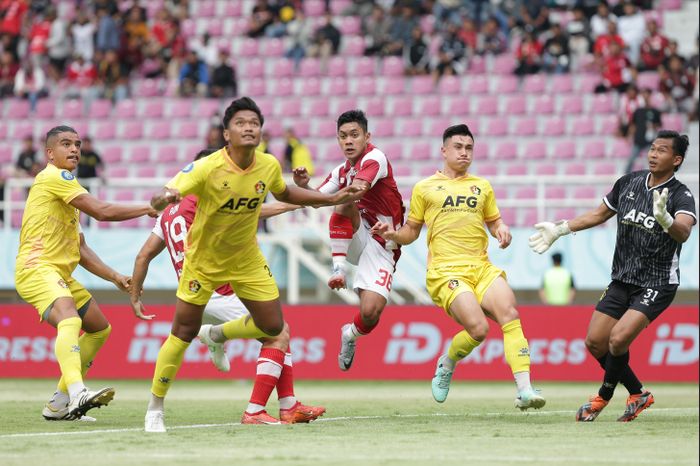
{"type": "Point", "coordinates": [367, 423]}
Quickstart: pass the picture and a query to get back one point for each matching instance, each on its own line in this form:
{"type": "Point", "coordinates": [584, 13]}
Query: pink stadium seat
{"type": "Point", "coordinates": [477, 65]}
{"type": "Point", "coordinates": [140, 154]}
{"type": "Point", "coordinates": [619, 149]}
{"type": "Point", "coordinates": [125, 109]}
{"type": "Point", "coordinates": [528, 217]}
{"type": "Point", "coordinates": [314, 8]}
{"type": "Point", "coordinates": [267, 105]}
{"type": "Point", "coordinates": [302, 128]}
{"type": "Point", "coordinates": [171, 171]}
{"type": "Point", "coordinates": [148, 171]}
{"type": "Point", "coordinates": [555, 192]}
{"type": "Point", "coordinates": [132, 130]}
{"type": "Point", "coordinates": [427, 24]}
{"type": "Point", "coordinates": [112, 154]}
{"type": "Point", "coordinates": [553, 127]}
{"type": "Point", "coordinates": [587, 83]}
{"type": "Point", "coordinates": [496, 127]}
{"type": "Point", "coordinates": [45, 108]}
{"type": "Point", "coordinates": [353, 46]}
{"type": "Point", "coordinates": [160, 130]}
{"type": "Point", "coordinates": [233, 9]}
{"type": "Point", "coordinates": [325, 129]}
{"type": "Point", "coordinates": [582, 126]}
{"type": "Point", "coordinates": [422, 85]}
{"type": "Point", "coordinates": [254, 68]}
{"type": "Point", "coordinates": [607, 125]}
{"type": "Point", "coordinates": [24, 128]}
{"type": "Point", "coordinates": [105, 131]}
{"type": "Point", "coordinates": [503, 64]}
{"type": "Point", "coordinates": [363, 66]}
{"type": "Point", "coordinates": [317, 108]}
{"type": "Point", "coordinates": [435, 126]}
{"type": "Point", "coordinates": [153, 108]}
{"type": "Point", "coordinates": [72, 109]}
{"type": "Point", "coordinates": [526, 192]}
{"type": "Point", "coordinates": [273, 47]}
{"type": "Point", "coordinates": [602, 104]}
{"type": "Point", "coordinates": [544, 105]}
{"type": "Point", "coordinates": [429, 106]}
{"type": "Point", "coordinates": [477, 85]}
{"type": "Point", "coordinates": [374, 107]}
{"type": "Point", "coordinates": [17, 109]}
{"type": "Point", "coordinates": [146, 88]}
{"type": "Point", "coordinates": [100, 108]}
{"type": "Point", "coordinates": [339, 6]}
{"type": "Point", "coordinates": [604, 168]}
{"type": "Point", "coordinates": [345, 103]}
{"type": "Point", "coordinates": [282, 68]}
{"type": "Point", "coordinates": [487, 105]}
{"type": "Point", "coordinates": [205, 9]}
{"type": "Point", "coordinates": [117, 171]}
{"type": "Point", "coordinates": [337, 67]}
{"type": "Point", "coordinates": [526, 126]}
{"type": "Point", "coordinates": [284, 87]}
{"type": "Point", "coordinates": [256, 87]}
{"type": "Point", "coordinates": [412, 127]}
{"type": "Point", "coordinates": [383, 127]}
{"type": "Point", "coordinates": [506, 150]}
{"type": "Point", "coordinates": [290, 107]}
{"type": "Point", "coordinates": [310, 87]}
{"type": "Point", "coordinates": [5, 154]}
{"type": "Point", "coordinates": [571, 105]}
{"type": "Point", "coordinates": [449, 85]}
{"type": "Point", "coordinates": [535, 150]}
{"type": "Point", "coordinates": [575, 168]}
{"type": "Point", "coordinates": [208, 107]}
{"type": "Point", "coordinates": [508, 215]}
{"type": "Point", "coordinates": [565, 213]}
{"type": "Point", "coordinates": [392, 66]}
{"type": "Point", "coordinates": [402, 170]}
{"type": "Point", "coordinates": [338, 86]}
{"type": "Point", "coordinates": [458, 106]}
{"type": "Point", "coordinates": [188, 28]}
{"type": "Point", "coordinates": [564, 150]}
{"type": "Point", "coordinates": [350, 26]}
{"type": "Point", "coordinates": [180, 108]}
{"type": "Point", "coordinates": [485, 169]}
{"type": "Point", "coordinates": [188, 129]}
{"type": "Point", "coordinates": [516, 104]}
{"type": "Point", "coordinates": [420, 150]}
{"type": "Point", "coordinates": [393, 85]}
{"type": "Point", "coordinates": [402, 106]}
{"type": "Point", "coordinates": [561, 84]}
{"type": "Point", "coordinates": [506, 84]}
{"type": "Point", "coordinates": [392, 150]}
{"type": "Point", "coordinates": [482, 149]}
{"type": "Point", "coordinates": [585, 192]}
{"type": "Point", "coordinates": [648, 79]}
{"type": "Point", "coordinates": [517, 169]}
{"type": "Point", "coordinates": [366, 86]}
{"type": "Point", "coordinates": [672, 121]}
{"type": "Point", "coordinates": [425, 171]}
{"type": "Point", "coordinates": [16, 218]}
{"type": "Point", "coordinates": [248, 48]}
{"type": "Point", "coordinates": [215, 27]}
{"type": "Point", "coordinates": [594, 149]}
{"type": "Point", "coordinates": [535, 84]}
{"type": "Point", "coordinates": [167, 154]}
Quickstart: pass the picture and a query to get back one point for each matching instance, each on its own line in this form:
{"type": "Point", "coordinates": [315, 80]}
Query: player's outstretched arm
{"type": "Point", "coordinates": [408, 233]}
{"type": "Point", "coordinates": [91, 262]}
{"type": "Point", "coordinates": [107, 212]}
{"type": "Point", "coordinates": [678, 228]}
{"type": "Point", "coordinates": [276, 208]}
{"type": "Point", "coordinates": [501, 232]}
{"type": "Point", "coordinates": [149, 251]}
{"type": "Point", "coordinates": [301, 177]}
{"type": "Point", "coordinates": [165, 196]}
{"type": "Point", "coordinates": [548, 232]}
{"type": "Point", "coordinates": [300, 196]}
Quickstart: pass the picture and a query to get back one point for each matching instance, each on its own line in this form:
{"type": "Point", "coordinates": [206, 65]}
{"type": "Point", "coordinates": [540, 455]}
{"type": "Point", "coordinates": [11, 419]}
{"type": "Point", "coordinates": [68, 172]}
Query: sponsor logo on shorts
{"type": "Point", "coordinates": [188, 168]}
{"type": "Point", "coordinates": [475, 189]}
{"type": "Point", "coordinates": [66, 175]}
{"type": "Point", "coordinates": [62, 283]}
{"type": "Point", "coordinates": [452, 284]}
{"type": "Point", "coordinates": [194, 286]}
{"type": "Point", "coordinates": [259, 187]}
{"type": "Point", "coordinates": [164, 380]}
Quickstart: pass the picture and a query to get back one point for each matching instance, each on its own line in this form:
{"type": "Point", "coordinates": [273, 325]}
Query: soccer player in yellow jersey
{"type": "Point", "coordinates": [221, 246]}
{"type": "Point", "coordinates": [460, 278]}
{"type": "Point", "coordinates": [51, 245]}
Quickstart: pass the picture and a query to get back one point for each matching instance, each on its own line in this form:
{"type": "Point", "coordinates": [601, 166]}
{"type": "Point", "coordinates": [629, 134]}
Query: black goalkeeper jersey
{"type": "Point", "coordinates": [644, 254]}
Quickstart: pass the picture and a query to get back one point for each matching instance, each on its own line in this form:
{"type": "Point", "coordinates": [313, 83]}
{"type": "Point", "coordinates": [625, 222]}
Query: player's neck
{"type": "Point", "coordinates": [450, 173]}
{"type": "Point", "coordinates": [243, 157]}
{"type": "Point", "coordinates": [659, 178]}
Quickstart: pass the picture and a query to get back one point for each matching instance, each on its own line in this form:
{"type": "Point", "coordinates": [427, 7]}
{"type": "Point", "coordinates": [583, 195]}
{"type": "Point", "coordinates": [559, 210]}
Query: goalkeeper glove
{"type": "Point", "coordinates": [660, 213]}
{"type": "Point", "coordinates": [547, 233]}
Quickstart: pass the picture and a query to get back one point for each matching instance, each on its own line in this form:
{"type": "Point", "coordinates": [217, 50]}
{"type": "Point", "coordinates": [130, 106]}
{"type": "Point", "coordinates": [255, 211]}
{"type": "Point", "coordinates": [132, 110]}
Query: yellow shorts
{"type": "Point", "coordinates": [445, 283]}
{"type": "Point", "coordinates": [250, 279]}
{"type": "Point", "coordinates": [43, 285]}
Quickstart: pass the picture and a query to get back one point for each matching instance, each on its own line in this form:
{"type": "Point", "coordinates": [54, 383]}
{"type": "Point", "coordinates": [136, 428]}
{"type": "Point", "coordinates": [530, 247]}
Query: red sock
{"type": "Point", "coordinates": [363, 327]}
{"type": "Point", "coordinates": [340, 232]}
{"type": "Point", "coordinates": [285, 384]}
{"type": "Point", "coordinates": [269, 368]}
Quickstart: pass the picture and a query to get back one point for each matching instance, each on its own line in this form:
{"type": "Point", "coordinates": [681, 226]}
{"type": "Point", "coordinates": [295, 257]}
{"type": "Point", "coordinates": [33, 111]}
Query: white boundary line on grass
{"type": "Point", "coordinates": [330, 419]}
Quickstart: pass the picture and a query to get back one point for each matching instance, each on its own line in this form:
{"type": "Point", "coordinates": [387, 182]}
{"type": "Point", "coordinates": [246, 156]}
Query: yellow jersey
{"type": "Point", "coordinates": [228, 208]}
{"type": "Point", "coordinates": [50, 233]}
{"type": "Point", "coordinates": [454, 211]}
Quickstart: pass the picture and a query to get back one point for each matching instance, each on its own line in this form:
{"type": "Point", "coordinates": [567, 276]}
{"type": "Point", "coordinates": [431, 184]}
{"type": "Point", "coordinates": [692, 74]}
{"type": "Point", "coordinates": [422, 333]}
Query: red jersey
{"type": "Point", "coordinates": [602, 44]}
{"type": "Point", "coordinates": [172, 227]}
{"type": "Point", "coordinates": [382, 201]}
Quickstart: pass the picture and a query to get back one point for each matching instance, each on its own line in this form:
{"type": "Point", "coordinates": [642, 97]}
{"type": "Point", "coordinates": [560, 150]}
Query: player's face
{"type": "Point", "coordinates": [243, 129]}
{"type": "Point", "coordinates": [352, 140]}
{"type": "Point", "coordinates": [458, 152]}
{"type": "Point", "coordinates": [64, 151]}
{"type": "Point", "coordinates": [661, 158]}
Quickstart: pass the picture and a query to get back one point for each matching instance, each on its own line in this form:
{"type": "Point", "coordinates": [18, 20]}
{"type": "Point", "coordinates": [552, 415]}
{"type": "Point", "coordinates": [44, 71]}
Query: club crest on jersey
{"type": "Point", "coordinates": [66, 175]}
{"type": "Point", "coordinates": [259, 187]}
{"type": "Point", "coordinates": [62, 283]}
{"type": "Point", "coordinates": [452, 284]}
{"type": "Point", "coordinates": [475, 189]}
{"type": "Point", "coordinates": [194, 286]}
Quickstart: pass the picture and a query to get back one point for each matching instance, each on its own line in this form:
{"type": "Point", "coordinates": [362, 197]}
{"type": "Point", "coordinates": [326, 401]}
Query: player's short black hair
{"type": "Point", "coordinates": [457, 130]}
{"type": "Point", "coordinates": [353, 116]}
{"type": "Point", "coordinates": [680, 143]}
{"type": "Point", "coordinates": [556, 258]}
{"type": "Point", "coordinates": [55, 131]}
{"type": "Point", "coordinates": [244, 103]}
{"type": "Point", "coordinates": [203, 153]}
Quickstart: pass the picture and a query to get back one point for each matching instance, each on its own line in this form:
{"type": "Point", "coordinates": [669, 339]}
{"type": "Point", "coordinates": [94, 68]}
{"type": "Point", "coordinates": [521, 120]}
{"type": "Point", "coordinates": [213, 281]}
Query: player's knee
{"type": "Point", "coordinates": [478, 331]}
{"type": "Point", "coordinates": [185, 333]}
{"type": "Point", "coordinates": [595, 347]}
{"type": "Point", "coordinates": [618, 344]}
{"type": "Point", "coordinates": [370, 314]}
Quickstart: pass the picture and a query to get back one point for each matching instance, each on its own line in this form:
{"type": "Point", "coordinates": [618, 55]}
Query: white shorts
{"type": "Point", "coordinates": [222, 308]}
{"type": "Point", "coordinates": [375, 264]}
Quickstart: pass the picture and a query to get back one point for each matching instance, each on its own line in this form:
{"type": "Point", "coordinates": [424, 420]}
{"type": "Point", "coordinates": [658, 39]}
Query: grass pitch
{"type": "Point", "coordinates": [368, 423]}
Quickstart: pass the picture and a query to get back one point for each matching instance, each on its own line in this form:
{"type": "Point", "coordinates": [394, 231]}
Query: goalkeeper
{"type": "Point", "coordinates": [655, 215]}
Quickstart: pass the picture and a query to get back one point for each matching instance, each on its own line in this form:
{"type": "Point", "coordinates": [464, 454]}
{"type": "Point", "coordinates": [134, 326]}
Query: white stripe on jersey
{"type": "Point", "coordinates": [379, 157]}
{"type": "Point", "coordinates": [673, 272]}
{"type": "Point", "coordinates": [332, 183]}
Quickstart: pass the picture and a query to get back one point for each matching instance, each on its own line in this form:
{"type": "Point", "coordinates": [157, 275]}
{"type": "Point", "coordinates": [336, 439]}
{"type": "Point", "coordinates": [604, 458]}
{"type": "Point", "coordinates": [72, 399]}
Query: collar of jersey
{"type": "Point", "coordinates": [235, 167]}
{"type": "Point", "coordinates": [464, 177]}
{"type": "Point", "coordinates": [646, 182]}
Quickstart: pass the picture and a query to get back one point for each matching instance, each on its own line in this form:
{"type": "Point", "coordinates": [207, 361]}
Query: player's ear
{"type": "Point", "coordinates": [226, 135]}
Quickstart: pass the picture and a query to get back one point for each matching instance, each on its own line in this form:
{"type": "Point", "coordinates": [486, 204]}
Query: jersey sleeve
{"type": "Point", "coordinates": [64, 185]}
{"type": "Point", "coordinates": [683, 203]}
{"type": "Point", "coordinates": [374, 167]}
{"type": "Point", "coordinates": [332, 182]}
{"type": "Point", "coordinates": [277, 184]}
{"type": "Point", "coordinates": [158, 228]}
{"type": "Point", "coordinates": [191, 179]}
{"type": "Point", "coordinates": [491, 211]}
{"type": "Point", "coordinates": [416, 211]}
{"type": "Point", "coordinates": [612, 199]}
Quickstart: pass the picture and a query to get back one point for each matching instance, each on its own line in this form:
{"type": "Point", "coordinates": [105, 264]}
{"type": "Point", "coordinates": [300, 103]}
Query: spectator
{"type": "Point", "coordinates": [108, 32]}
{"type": "Point", "coordinates": [264, 145]}
{"type": "Point", "coordinates": [153, 64]}
{"type": "Point", "coordinates": [616, 70]}
{"type": "Point", "coordinates": [376, 31]}
{"type": "Point", "coordinates": [362, 8]}
{"type": "Point", "coordinates": [112, 77]}
{"type": "Point", "coordinates": [654, 48]}
{"type": "Point", "coordinates": [12, 21]}
{"type": "Point", "coordinates": [676, 84]}
{"type": "Point", "coordinates": [297, 154]}
{"type": "Point", "coordinates": [493, 41]}
{"type": "Point", "coordinates": [83, 32]}
{"type": "Point", "coordinates": [162, 28]}
{"type": "Point", "coordinates": [206, 50]}
{"type": "Point", "coordinates": [299, 33]}
{"type": "Point", "coordinates": [194, 76]}
{"type": "Point", "coordinates": [534, 16]}
{"type": "Point", "coordinates": [416, 56]}
{"type": "Point", "coordinates": [601, 20]}
{"type": "Point", "coordinates": [401, 31]}
{"type": "Point", "coordinates": [529, 55]}
{"type": "Point", "coordinates": [644, 124]}
{"type": "Point", "coordinates": [38, 38]}
{"type": "Point", "coordinates": [671, 53]}
{"type": "Point", "coordinates": [135, 26]}
{"type": "Point", "coordinates": [557, 284]}
{"type": "Point", "coordinates": [326, 39]}
{"type": "Point", "coordinates": [8, 71]}
{"type": "Point", "coordinates": [601, 48]}
{"type": "Point", "coordinates": [90, 165]}
{"type": "Point", "coordinates": [555, 56]}
{"type": "Point", "coordinates": [629, 102]}
{"type": "Point", "coordinates": [579, 37]}
{"type": "Point", "coordinates": [223, 78]}
{"type": "Point", "coordinates": [30, 83]}
{"type": "Point", "coordinates": [215, 137]}
{"type": "Point", "coordinates": [632, 27]}
{"type": "Point", "coordinates": [82, 81]}
{"type": "Point", "coordinates": [446, 12]}
{"type": "Point", "coordinates": [468, 34]}
{"type": "Point", "coordinates": [261, 17]}
{"type": "Point", "coordinates": [58, 45]}
{"type": "Point", "coordinates": [450, 54]}
{"type": "Point", "coordinates": [27, 165]}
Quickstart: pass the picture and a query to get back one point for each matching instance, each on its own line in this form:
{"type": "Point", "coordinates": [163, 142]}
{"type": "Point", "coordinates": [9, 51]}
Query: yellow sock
{"type": "Point", "coordinates": [67, 350]}
{"type": "Point", "coordinates": [243, 327]}
{"type": "Point", "coordinates": [515, 347]}
{"type": "Point", "coordinates": [89, 343]}
{"type": "Point", "coordinates": [168, 363]}
{"type": "Point", "coordinates": [462, 344]}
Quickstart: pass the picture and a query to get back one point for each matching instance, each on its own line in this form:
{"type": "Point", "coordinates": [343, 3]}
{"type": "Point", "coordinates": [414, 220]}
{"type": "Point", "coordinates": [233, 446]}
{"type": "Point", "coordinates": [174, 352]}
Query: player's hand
{"type": "Point", "coordinates": [139, 309]}
{"type": "Point", "coordinates": [548, 233]}
{"type": "Point", "coordinates": [503, 236]}
{"type": "Point", "coordinates": [384, 230]}
{"type": "Point", "coordinates": [167, 196]}
{"type": "Point", "coordinates": [346, 194]}
{"type": "Point", "coordinates": [153, 213]}
{"type": "Point", "coordinates": [659, 207]}
{"type": "Point", "coordinates": [122, 282]}
{"type": "Point", "coordinates": [301, 177]}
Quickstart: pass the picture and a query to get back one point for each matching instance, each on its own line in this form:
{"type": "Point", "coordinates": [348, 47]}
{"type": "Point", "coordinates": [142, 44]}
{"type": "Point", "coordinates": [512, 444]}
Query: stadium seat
{"type": "Point", "coordinates": [484, 169]}
{"type": "Point", "coordinates": [350, 26]}
{"type": "Point", "coordinates": [503, 64]}
{"type": "Point", "coordinates": [583, 193]}
{"type": "Point", "coordinates": [365, 86]}
{"type": "Point", "coordinates": [482, 149]}
{"type": "Point", "coordinates": [125, 109]}
{"type": "Point", "coordinates": [425, 171]}
{"type": "Point", "coordinates": [487, 105]}
{"type": "Point", "coordinates": [508, 215]}
{"type": "Point", "coordinates": [215, 27]}
{"type": "Point", "coordinates": [429, 106]}
{"type": "Point", "coordinates": [458, 106]}
{"type": "Point", "coordinates": [544, 105]}
{"type": "Point", "coordinates": [160, 130]}
{"type": "Point", "coordinates": [506, 150]}
{"type": "Point", "coordinates": [535, 150]}
{"type": "Point", "coordinates": [100, 108]}
{"type": "Point", "coordinates": [421, 85]}
{"type": "Point", "coordinates": [553, 126]}
{"type": "Point", "coordinates": [338, 86]}
{"type": "Point", "coordinates": [411, 127]}
{"type": "Point", "coordinates": [392, 66]}
{"type": "Point", "coordinates": [526, 192]}
{"type": "Point", "coordinates": [72, 109]}
{"type": "Point", "coordinates": [402, 170]}
{"type": "Point", "coordinates": [528, 217]}
{"type": "Point", "coordinates": [153, 108]}
{"type": "Point", "coordinates": [362, 67]}
{"type": "Point", "coordinates": [148, 171]}
{"type": "Point", "coordinates": [145, 88]}
{"type": "Point", "coordinates": [205, 9]}
{"type": "Point", "coordinates": [602, 104]}
{"type": "Point", "coordinates": [353, 46]}
{"type": "Point", "coordinates": [188, 129]}
{"type": "Point", "coordinates": [284, 87]}
{"type": "Point", "coordinates": [317, 108]}
{"type": "Point", "coordinates": [206, 108]}
{"type": "Point", "coordinates": [433, 127]}
{"type": "Point", "coordinates": [565, 213]}
{"type": "Point", "coordinates": [254, 68]}
{"type": "Point", "coordinates": [477, 65]}
{"type": "Point", "coordinates": [401, 106]}
{"type": "Point", "coordinates": [140, 154]}
{"type": "Point", "coordinates": [393, 85]}
{"type": "Point", "coordinates": [22, 129]}
{"type": "Point", "coordinates": [344, 104]}
{"type": "Point", "coordinates": [248, 48]}
{"type": "Point", "coordinates": [420, 150]}
{"type": "Point", "coordinates": [496, 127]}
{"type": "Point", "coordinates": [517, 169]}
{"type": "Point", "coordinates": [167, 155]}
{"type": "Point", "coordinates": [571, 105]}
{"type": "Point", "coordinates": [535, 84]}
{"type": "Point", "coordinates": [555, 192]}
{"type": "Point", "coordinates": [310, 87]}
{"type": "Point", "coordinates": [427, 24]}
{"type": "Point", "coordinates": [582, 126]}
{"type": "Point", "coordinates": [516, 105]}
{"type": "Point", "coordinates": [112, 154]}
{"type": "Point", "coordinates": [314, 8]}
{"type": "Point", "coordinates": [477, 85]}
{"type": "Point", "coordinates": [257, 87]}
{"type": "Point", "coordinates": [672, 121]}
{"type": "Point", "coordinates": [273, 47]}
{"type": "Point", "coordinates": [5, 154]}
{"type": "Point", "coordinates": [374, 107]}
{"type": "Point", "coordinates": [526, 126]}
{"type": "Point", "coordinates": [45, 108]}
{"type": "Point", "coordinates": [290, 107]}
{"type": "Point", "coordinates": [337, 67]}
{"type": "Point", "coordinates": [3, 130]}
{"type": "Point", "coordinates": [326, 129]}
{"type": "Point", "coordinates": [17, 109]}
{"type": "Point", "coordinates": [605, 168]}
{"type": "Point", "coordinates": [607, 125]}
{"type": "Point", "coordinates": [16, 218]}
{"type": "Point", "coordinates": [383, 127]}
{"type": "Point", "coordinates": [118, 171]}
{"type": "Point", "coordinates": [564, 150]}
{"type": "Point", "coordinates": [506, 84]}
{"type": "Point", "coordinates": [132, 130]}
{"type": "Point", "coordinates": [575, 168]}
{"type": "Point", "coordinates": [233, 9]}
{"type": "Point", "coordinates": [586, 83]}
{"type": "Point", "coordinates": [105, 131]}
{"type": "Point", "coordinates": [619, 149]}
{"type": "Point", "coordinates": [648, 79]}
{"type": "Point", "coordinates": [449, 86]}
{"type": "Point", "coordinates": [171, 171]}
{"type": "Point", "coordinates": [561, 84]}
{"type": "Point", "coordinates": [282, 68]}
{"type": "Point", "coordinates": [594, 149]}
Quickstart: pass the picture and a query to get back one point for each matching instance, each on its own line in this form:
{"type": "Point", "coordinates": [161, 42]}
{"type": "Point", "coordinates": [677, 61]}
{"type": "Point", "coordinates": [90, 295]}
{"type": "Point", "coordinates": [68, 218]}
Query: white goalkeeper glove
{"type": "Point", "coordinates": [660, 213]}
{"type": "Point", "coordinates": [548, 233]}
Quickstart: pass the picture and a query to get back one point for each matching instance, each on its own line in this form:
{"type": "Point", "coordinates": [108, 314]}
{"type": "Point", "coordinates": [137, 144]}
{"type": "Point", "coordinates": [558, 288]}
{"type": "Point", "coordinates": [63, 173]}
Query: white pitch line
{"type": "Point", "coordinates": [328, 419]}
